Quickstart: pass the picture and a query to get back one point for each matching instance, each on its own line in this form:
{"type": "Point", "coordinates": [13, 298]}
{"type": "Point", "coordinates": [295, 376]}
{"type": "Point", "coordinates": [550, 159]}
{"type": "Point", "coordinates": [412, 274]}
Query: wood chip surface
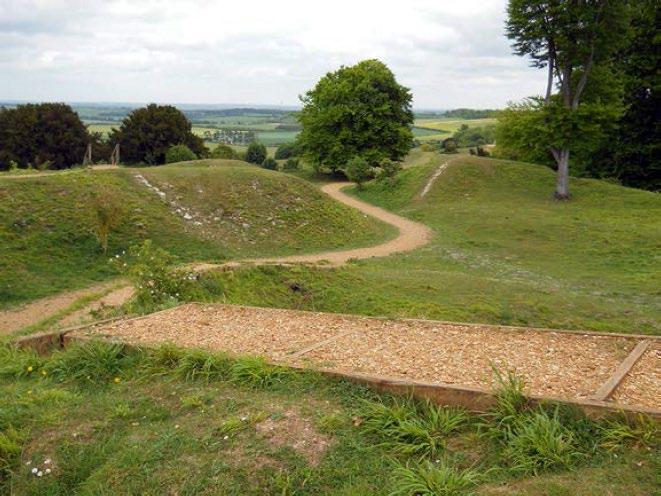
{"type": "Point", "coordinates": [558, 364]}
{"type": "Point", "coordinates": [642, 386]}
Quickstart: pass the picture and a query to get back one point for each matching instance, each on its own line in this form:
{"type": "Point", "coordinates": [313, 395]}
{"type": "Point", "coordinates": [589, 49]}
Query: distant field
{"type": "Point", "coordinates": [439, 129]}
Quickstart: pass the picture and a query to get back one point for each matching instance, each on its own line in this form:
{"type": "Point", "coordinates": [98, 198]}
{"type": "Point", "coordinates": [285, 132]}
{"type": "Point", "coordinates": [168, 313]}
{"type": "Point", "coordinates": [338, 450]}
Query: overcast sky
{"type": "Point", "coordinates": [451, 53]}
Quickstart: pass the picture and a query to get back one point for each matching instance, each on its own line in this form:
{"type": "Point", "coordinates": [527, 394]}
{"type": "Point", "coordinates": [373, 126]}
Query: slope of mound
{"type": "Point", "coordinates": [201, 211]}
{"type": "Point", "coordinates": [503, 252]}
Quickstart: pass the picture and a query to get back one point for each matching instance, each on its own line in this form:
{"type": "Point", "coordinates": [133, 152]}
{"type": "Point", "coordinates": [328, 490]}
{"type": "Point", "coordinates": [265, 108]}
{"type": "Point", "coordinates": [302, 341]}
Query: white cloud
{"type": "Point", "coordinates": [451, 53]}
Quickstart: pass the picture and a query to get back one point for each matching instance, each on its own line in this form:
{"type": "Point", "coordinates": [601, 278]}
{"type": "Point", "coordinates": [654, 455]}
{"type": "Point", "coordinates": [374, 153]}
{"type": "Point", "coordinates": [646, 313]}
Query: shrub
{"type": "Point", "coordinates": [358, 171]}
{"type": "Point", "coordinates": [223, 151]}
{"type": "Point", "coordinates": [155, 277]}
{"type": "Point", "coordinates": [291, 164]}
{"type": "Point", "coordinates": [107, 213]}
{"type": "Point", "coordinates": [389, 169]}
{"type": "Point", "coordinates": [256, 153]}
{"type": "Point", "coordinates": [427, 479]}
{"type": "Point", "coordinates": [179, 153]}
{"type": "Point", "coordinates": [286, 150]}
{"type": "Point", "coordinates": [270, 164]}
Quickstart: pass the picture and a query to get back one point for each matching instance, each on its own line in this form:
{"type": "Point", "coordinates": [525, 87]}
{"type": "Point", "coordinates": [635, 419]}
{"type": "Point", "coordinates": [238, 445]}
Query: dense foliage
{"type": "Point", "coordinates": [256, 153]}
{"type": "Point", "coordinates": [286, 150]}
{"type": "Point", "coordinates": [357, 110]}
{"type": "Point", "coordinates": [615, 131]}
{"type": "Point", "coordinates": [45, 135]}
{"type": "Point", "coordinates": [147, 133]}
{"type": "Point", "coordinates": [223, 151]}
{"type": "Point", "coordinates": [179, 153]}
{"type": "Point", "coordinates": [568, 39]}
{"type": "Point", "coordinates": [358, 170]}
{"type": "Point", "coordinates": [475, 136]}
{"type": "Point", "coordinates": [270, 164]}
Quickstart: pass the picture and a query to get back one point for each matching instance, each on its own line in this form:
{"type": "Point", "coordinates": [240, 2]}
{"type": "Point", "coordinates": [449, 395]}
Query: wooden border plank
{"type": "Point", "coordinates": [608, 387]}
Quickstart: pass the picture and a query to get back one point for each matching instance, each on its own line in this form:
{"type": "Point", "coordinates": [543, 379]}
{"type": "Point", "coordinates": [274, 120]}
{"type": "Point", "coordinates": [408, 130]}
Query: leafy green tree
{"type": "Point", "coordinates": [475, 136]}
{"type": "Point", "coordinates": [147, 133]}
{"type": "Point", "coordinates": [223, 151]}
{"type": "Point", "coordinates": [270, 164]}
{"type": "Point", "coordinates": [39, 134]}
{"type": "Point", "coordinates": [179, 153]}
{"type": "Point", "coordinates": [256, 153]}
{"type": "Point", "coordinates": [527, 131]}
{"type": "Point", "coordinates": [357, 110]}
{"type": "Point", "coordinates": [637, 142]}
{"type": "Point", "coordinates": [568, 38]}
{"type": "Point", "coordinates": [358, 170]}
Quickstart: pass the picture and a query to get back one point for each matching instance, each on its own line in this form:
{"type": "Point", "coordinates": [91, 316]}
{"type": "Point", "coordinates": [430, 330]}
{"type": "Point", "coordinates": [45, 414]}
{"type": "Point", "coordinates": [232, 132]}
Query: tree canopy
{"type": "Point", "coordinates": [44, 134]}
{"type": "Point", "coordinates": [569, 39]}
{"type": "Point", "coordinates": [357, 110]}
{"type": "Point", "coordinates": [147, 133]}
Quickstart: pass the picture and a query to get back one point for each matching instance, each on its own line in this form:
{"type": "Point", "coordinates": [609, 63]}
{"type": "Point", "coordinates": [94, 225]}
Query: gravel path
{"type": "Point", "coordinates": [560, 364]}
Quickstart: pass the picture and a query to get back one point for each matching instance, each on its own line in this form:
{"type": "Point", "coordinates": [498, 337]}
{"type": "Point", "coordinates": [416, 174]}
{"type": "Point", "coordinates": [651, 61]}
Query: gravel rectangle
{"type": "Point", "coordinates": [560, 364]}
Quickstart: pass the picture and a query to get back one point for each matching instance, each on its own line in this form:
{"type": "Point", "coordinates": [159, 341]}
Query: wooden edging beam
{"type": "Point", "coordinates": [609, 387]}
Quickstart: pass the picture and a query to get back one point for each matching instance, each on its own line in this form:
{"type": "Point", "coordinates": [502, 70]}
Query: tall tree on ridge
{"type": "Point", "coordinates": [568, 38]}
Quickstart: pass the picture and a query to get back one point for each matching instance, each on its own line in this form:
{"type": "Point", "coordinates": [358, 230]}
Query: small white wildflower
{"type": "Point", "coordinates": [243, 419]}
{"type": "Point", "coordinates": [35, 470]}
{"type": "Point", "coordinates": [28, 462]}
{"type": "Point", "coordinates": [48, 471]}
{"type": "Point", "coordinates": [47, 461]}
{"type": "Point", "coordinates": [40, 473]}
{"type": "Point", "coordinates": [226, 437]}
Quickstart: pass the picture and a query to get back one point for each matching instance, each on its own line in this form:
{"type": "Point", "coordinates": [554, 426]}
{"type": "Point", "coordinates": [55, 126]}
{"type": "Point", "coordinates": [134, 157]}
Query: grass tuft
{"type": "Point", "coordinates": [95, 361]}
{"type": "Point", "coordinates": [194, 365]}
{"type": "Point", "coordinates": [257, 372]}
{"type": "Point", "coordinates": [427, 479]}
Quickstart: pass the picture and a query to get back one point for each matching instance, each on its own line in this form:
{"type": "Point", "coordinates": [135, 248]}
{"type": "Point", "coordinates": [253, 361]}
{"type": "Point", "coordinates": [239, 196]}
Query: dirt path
{"type": "Point", "coordinates": [411, 235]}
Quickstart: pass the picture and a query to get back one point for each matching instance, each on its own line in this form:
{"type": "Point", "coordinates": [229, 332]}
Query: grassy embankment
{"type": "Point", "coordinates": [237, 211]}
{"type": "Point", "coordinates": [503, 252]}
{"type": "Point", "coordinates": [101, 419]}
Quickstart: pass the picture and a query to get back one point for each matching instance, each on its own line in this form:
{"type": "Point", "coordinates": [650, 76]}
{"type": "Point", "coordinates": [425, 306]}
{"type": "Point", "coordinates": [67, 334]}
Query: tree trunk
{"type": "Point", "coordinates": [562, 178]}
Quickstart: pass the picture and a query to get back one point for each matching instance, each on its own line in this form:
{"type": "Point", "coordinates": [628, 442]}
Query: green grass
{"type": "Point", "coordinates": [240, 211]}
{"type": "Point", "coordinates": [116, 420]}
{"type": "Point", "coordinates": [503, 252]}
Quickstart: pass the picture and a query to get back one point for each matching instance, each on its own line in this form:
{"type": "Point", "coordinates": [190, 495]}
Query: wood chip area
{"type": "Point", "coordinates": [642, 386]}
{"type": "Point", "coordinates": [564, 365]}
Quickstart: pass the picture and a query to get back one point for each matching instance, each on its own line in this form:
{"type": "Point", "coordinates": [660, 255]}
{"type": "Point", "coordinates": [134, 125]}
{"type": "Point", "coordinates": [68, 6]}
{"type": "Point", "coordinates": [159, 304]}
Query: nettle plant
{"type": "Point", "coordinates": [158, 281]}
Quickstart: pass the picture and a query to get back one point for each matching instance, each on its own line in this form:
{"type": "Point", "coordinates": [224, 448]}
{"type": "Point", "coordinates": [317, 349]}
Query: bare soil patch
{"type": "Point", "coordinates": [298, 432]}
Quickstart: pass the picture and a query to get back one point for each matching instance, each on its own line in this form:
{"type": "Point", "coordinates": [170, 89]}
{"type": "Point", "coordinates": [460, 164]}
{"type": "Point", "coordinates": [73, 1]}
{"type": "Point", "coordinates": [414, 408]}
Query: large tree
{"type": "Point", "coordinates": [357, 110]}
{"type": "Point", "coordinates": [147, 133]}
{"type": "Point", "coordinates": [568, 38]}
{"type": "Point", "coordinates": [45, 134]}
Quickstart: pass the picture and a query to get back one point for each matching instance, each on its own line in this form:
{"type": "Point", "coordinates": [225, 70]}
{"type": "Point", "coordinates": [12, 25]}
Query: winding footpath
{"type": "Point", "coordinates": [412, 235]}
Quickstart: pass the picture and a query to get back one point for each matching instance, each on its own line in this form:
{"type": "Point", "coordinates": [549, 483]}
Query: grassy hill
{"type": "Point", "coordinates": [504, 252]}
{"type": "Point", "coordinates": [211, 210]}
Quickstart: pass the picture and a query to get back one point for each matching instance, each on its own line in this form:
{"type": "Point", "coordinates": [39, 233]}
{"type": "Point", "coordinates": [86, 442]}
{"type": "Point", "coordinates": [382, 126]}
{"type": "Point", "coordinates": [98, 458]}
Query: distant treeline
{"type": "Point", "coordinates": [460, 113]}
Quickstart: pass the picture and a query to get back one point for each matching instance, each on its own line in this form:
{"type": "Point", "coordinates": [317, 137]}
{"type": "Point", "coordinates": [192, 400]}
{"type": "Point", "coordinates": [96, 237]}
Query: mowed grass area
{"type": "Point", "coordinates": [105, 419]}
{"type": "Point", "coordinates": [504, 252]}
{"type": "Point", "coordinates": [236, 211]}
